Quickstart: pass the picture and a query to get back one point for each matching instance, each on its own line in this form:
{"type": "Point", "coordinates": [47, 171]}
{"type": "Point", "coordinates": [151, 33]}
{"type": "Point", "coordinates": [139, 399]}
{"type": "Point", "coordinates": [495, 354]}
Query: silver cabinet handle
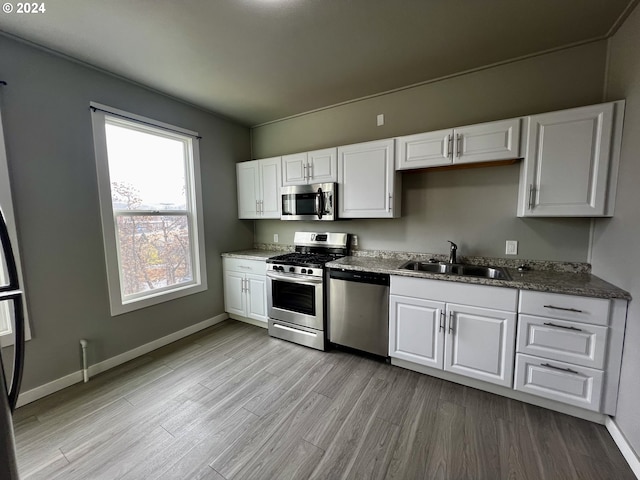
{"type": "Point", "coordinates": [549, 324]}
{"type": "Point", "coordinates": [244, 267]}
{"type": "Point", "coordinates": [257, 206]}
{"type": "Point", "coordinates": [390, 202]}
{"type": "Point", "coordinates": [242, 285]}
{"type": "Point", "coordinates": [568, 370]}
{"type": "Point", "coordinates": [304, 171]}
{"type": "Point", "coordinates": [564, 309]}
{"type": "Point", "coordinates": [532, 191]}
{"type": "Point", "coordinates": [450, 146]}
{"type": "Point", "coordinates": [309, 170]}
{"type": "Point", "coordinates": [451, 322]}
{"type": "Point", "coordinates": [459, 145]}
{"type": "Point", "coordinates": [442, 321]}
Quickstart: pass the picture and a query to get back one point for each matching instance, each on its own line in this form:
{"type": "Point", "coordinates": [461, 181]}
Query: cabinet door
{"type": "Point", "coordinates": [294, 169]}
{"type": "Point", "coordinates": [566, 165]}
{"type": "Point", "coordinates": [487, 142]}
{"type": "Point", "coordinates": [416, 330]}
{"type": "Point", "coordinates": [234, 296]}
{"type": "Point", "coordinates": [257, 297]}
{"type": "Point", "coordinates": [423, 150]}
{"type": "Point", "coordinates": [323, 166]}
{"type": "Point", "coordinates": [271, 178]}
{"type": "Point", "coordinates": [480, 343]}
{"type": "Point", "coordinates": [366, 178]}
{"type": "Point", "coordinates": [248, 179]}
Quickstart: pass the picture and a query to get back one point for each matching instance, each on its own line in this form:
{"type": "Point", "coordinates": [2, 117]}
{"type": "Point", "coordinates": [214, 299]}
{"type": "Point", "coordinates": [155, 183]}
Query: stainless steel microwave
{"type": "Point", "coordinates": [310, 202]}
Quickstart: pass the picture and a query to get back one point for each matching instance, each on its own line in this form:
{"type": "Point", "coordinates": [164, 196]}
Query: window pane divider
{"type": "Point", "coordinates": [149, 213]}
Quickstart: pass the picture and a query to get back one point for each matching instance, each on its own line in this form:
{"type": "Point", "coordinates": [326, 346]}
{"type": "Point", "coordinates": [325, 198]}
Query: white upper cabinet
{"type": "Point", "coordinates": [570, 167]}
{"type": "Point", "coordinates": [485, 142]}
{"type": "Point", "coordinates": [259, 183]}
{"type": "Point", "coordinates": [294, 169]}
{"type": "Point", "coordinates": [368, 184]}
{"type": "Point", "coordinates": [319, 166]}
{"type": "Point", "coordinates": [422, 150]}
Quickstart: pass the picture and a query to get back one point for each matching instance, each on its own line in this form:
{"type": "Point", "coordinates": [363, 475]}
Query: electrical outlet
{"type": "Point", "coordinates": [380, 119]}
{"type": "Point", "coordinates": [275, 238]}
{"type": "Point", "coordinates": [354, 240]}
{"type": "Point", "coordinates": [512, 247]}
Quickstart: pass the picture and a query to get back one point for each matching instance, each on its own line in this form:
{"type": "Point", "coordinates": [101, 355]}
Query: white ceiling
{"type": "Point", "coordinates": [261, 60]}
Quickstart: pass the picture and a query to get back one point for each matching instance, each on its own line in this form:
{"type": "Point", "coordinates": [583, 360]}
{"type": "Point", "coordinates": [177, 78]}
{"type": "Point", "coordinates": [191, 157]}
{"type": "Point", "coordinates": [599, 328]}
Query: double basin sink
{"type": "Point", "coordinates": [462, 269]}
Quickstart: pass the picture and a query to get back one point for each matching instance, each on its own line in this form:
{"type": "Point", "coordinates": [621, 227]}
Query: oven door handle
{"type": "Point", "coordinates": [319, 203]}
{"type": "Point", "coordinates": [294, 279]}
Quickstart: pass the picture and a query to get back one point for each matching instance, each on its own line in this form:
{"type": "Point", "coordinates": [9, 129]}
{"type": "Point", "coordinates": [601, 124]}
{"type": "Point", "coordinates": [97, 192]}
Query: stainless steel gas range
{"type": "Point", "coordinates": [296, 287]}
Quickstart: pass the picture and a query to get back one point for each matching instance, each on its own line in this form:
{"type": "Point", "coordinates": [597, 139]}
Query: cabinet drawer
{"type": "Point", "coordinates": [565, 307]}
{"type": "Point", "coordinates": [563, 382]}
{"type": "Point", "coordinates": [578, 343]}
{"type": "Point", "coordinates": [258, 267]}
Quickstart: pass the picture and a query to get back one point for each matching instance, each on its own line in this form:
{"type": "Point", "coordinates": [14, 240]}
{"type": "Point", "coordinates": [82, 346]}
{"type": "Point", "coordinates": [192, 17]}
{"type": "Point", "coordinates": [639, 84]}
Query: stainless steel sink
{"type": "Point", "coordinates": [462, 269]}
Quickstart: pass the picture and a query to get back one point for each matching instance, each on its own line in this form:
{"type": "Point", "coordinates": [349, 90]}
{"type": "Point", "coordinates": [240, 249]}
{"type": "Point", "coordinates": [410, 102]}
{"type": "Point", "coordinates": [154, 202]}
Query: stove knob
{"type": "Point", "coordinates": [292, 269]}
{"type": "Point", "coordinates": [275, 267]}
{"type": "Point", "coordinates": [309, 271]}
{"type": "Point", "coordinates": [281, 269]}
{"type": "Point", "coordinates": [304, 270]}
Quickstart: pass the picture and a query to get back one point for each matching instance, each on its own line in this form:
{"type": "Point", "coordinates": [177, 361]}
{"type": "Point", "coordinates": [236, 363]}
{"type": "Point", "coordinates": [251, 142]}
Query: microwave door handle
{"type": "Point", "coordinates": [319, 204]}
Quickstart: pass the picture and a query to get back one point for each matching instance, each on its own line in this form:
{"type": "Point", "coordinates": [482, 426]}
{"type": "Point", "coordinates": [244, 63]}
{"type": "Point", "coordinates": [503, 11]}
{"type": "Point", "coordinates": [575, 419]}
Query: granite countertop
{"type": "Point", "coordinates": [583, 284]}
{"type": "Point", "coordinates": [253, 254]}
{"type": "Point", "coordinates": [553, 277]}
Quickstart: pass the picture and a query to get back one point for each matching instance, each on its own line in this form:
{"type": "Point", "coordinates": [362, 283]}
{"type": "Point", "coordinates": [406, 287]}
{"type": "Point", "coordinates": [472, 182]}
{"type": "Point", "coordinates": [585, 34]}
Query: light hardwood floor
{"type": "Point", "coordinates": [232, 403]}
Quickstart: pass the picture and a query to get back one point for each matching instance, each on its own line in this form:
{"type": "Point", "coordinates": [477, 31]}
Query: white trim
{"type": "Point", "coordinates": [625, 448]}
{"type": "Point", "coordinates": [118, 303]}
{"type": "Point", "coordinates": [6, 203]}
{"type": "Point", "coordinates": [76, 377]}
{"type": "Point", "coordinates": [140, 118]}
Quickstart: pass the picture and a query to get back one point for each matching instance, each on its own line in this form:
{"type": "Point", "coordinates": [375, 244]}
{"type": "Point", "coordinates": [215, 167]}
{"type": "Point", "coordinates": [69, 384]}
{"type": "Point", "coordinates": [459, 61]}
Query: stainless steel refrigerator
{"type": "Point", "coordinates": [11, 305]}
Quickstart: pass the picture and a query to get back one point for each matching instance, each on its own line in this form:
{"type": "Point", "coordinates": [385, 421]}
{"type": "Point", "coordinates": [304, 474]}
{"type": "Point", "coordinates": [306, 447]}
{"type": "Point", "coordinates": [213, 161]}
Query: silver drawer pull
{"type": "Point", "coordinates": [568, 370]}
{"type": "Point", "coordinates": [565, 309]}
{"type": "Point", "coordinates": [562, 326]}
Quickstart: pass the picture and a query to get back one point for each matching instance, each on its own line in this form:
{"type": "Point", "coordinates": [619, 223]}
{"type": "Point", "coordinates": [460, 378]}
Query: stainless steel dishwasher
{"type": "Point", "coordinates": [359, 310]}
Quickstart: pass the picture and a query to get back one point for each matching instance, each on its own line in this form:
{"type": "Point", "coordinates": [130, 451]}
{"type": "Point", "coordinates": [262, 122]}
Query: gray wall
{"type": "Point", "coordinates": [52, 169]}
{"type": "Point", "coordinates": [475, 207]}
{"type": "Point", "coordinates": [615, 245]}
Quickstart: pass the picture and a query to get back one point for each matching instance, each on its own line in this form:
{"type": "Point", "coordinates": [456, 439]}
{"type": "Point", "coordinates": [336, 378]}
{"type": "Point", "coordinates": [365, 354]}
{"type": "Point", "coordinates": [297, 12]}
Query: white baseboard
{"type": "Point", "coordinates": [76, 377]}
{"type": "Point", "coordinates": [49, 388]}
{"type": "Point", "coordinates": [627, 450]}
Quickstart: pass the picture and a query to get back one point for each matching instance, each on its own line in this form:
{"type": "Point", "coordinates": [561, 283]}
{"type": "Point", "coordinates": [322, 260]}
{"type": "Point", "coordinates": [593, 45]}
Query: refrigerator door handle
{"type": "Point", "coordinates": [13, 293]}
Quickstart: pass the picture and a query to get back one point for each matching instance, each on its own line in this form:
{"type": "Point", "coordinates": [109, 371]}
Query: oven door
{"type": "Point", "coordinates": [296, 299]}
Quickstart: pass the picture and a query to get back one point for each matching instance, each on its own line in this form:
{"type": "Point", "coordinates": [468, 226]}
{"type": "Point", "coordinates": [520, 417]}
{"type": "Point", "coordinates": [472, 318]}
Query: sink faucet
{"type": "Point", "coordinates": [452, 252]}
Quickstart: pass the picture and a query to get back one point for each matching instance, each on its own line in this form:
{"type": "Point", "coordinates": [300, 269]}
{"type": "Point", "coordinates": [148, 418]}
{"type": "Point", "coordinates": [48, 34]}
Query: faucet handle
{"type": "Point", "coordinates": [453, 245]}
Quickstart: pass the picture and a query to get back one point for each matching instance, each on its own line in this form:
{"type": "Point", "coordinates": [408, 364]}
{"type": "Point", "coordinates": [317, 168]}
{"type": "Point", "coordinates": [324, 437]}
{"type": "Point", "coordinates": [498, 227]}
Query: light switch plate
{"type": "Point", "coordinates": [380, 119]}
{"type": "Point", "coordinates": [512, 247]}
{"type": "Point", "coordinates": [275, 238]}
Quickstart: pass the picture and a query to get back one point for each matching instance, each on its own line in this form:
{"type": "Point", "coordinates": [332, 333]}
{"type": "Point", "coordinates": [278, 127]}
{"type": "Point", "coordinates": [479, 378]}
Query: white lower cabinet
{"type": "Point", "coordinates": [245, 289]}
{"type": "Point", "coordinates": [469, 340]}
{"type": "Point", "coordinates": [562, 348]}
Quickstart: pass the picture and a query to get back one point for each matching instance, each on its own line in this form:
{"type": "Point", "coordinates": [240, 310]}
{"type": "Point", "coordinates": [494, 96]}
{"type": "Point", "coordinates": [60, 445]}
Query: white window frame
{"type": "Point", "coordinates": [7, 210]}
{"type": "Point", "coordinates": [120, 304]}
